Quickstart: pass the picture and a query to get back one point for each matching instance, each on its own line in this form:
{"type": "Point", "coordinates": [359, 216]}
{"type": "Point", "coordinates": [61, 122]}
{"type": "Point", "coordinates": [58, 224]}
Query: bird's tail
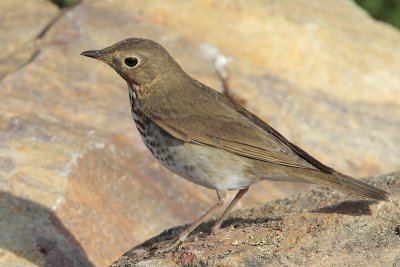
{"type": "Point", "coordinates": [342, 182]}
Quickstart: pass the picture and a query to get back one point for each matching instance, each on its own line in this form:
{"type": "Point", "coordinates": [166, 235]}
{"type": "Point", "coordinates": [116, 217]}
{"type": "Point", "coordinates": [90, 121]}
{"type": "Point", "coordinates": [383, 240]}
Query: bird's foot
{"type": "Point", "coordinates": [215, 227]}
{"type": "Point", "coordinates": [168, 247]}
{"type": "Point", "coordinates": [172, 244]}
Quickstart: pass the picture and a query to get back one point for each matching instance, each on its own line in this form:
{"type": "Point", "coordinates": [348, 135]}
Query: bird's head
{"type": "Point", "coordinates": [138, 61]}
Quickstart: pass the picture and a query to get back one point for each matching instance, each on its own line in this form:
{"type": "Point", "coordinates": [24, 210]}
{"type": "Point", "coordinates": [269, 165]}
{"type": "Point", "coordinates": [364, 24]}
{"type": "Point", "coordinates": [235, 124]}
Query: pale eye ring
{"type": "Point", "coordinates": [131, 62]}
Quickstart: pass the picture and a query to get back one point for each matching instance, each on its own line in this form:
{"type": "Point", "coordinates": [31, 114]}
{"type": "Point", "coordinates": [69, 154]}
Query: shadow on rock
{"type": "Point", "coordinates": [32, 231]}
{"type": "Point", "coordinates": [239, 222]}
{"type": "Point", "coordinates": [355, 208]}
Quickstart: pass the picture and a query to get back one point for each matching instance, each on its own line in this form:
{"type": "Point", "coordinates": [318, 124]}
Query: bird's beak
{"type": "Point", "coordinates": [96, 54]}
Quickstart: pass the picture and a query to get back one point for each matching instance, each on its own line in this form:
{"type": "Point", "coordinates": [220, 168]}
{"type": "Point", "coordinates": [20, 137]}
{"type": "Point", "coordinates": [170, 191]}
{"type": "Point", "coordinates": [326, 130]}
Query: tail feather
{"type": "Point", "coordinates": [360, 188]}
{"type": "Point", "coordinates": [345, 183]}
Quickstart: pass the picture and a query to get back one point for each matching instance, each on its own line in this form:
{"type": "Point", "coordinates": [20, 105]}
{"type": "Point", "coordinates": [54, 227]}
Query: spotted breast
{"type": "Point", "coordinates": [196, 163]}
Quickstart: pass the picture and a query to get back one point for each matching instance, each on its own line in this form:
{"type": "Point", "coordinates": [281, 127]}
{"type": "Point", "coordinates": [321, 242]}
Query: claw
{"type": "Point", "coordinates": [215, 228]}
{"type": "Point", "coordinates": [169, 247]}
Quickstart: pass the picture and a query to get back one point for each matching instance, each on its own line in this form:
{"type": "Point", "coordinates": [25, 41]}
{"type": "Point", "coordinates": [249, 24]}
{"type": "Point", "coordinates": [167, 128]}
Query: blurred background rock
{"type": "Point", "coordinates": [384, 10]}
{"type": "Point", "coordinates": [78, 186]}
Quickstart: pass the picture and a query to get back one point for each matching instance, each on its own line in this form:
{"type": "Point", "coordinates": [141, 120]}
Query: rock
{"type": "Point", "coordinates": [69, 146]}
{"type": "Point", "coordinates": [21, 25]}
{"type": "Point", "coordinates": [313, 228]}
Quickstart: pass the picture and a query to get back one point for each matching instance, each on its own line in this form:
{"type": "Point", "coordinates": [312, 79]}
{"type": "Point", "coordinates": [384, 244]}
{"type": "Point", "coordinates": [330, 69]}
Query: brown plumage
{"type": "Point", "coordinates": [202, 136]}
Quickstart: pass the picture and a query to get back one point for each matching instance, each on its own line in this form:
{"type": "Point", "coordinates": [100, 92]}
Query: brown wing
{"type": "Point", "coordinates": [208, 118]}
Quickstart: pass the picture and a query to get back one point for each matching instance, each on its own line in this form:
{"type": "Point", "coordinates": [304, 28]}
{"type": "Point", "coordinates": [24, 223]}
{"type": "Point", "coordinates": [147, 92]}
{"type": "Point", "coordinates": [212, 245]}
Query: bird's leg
{"type": "Point", "coordinates": [222, 196]}
{"type": "Point", "coordinates": [238, 196]}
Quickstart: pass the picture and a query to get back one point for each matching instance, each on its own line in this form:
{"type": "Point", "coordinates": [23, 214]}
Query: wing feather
{"type": "Point", "coordinates": [209, 118]}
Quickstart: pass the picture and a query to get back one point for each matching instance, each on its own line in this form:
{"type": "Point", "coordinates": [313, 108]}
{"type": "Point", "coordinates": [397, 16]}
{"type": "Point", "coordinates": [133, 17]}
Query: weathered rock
{"type": "Point", "coordinates": [69, 145]}
{"type": "Point", "coordinates": [313, 228]}
{"type": "Point", "coordinates": [21, 25]}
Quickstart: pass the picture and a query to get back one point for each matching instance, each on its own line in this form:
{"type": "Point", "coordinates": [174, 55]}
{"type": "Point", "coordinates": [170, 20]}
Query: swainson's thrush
{"type": "Point", "coordinates": [202, 136]}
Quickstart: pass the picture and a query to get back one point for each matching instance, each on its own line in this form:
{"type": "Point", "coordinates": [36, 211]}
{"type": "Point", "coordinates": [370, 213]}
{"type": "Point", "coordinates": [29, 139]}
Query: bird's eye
{"type": "Point", "coordinates": [131, 61]}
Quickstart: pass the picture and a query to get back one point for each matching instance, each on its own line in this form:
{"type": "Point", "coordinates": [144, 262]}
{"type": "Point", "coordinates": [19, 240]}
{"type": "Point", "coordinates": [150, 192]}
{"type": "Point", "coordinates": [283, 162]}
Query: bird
{"type": "Point", "coordinates": [206, 138]}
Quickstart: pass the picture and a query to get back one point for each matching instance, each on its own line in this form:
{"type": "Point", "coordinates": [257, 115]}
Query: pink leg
{"type": "Point", "coordinates": [222, 196]}
{"type": "Point", "coordinates": [238, 196]}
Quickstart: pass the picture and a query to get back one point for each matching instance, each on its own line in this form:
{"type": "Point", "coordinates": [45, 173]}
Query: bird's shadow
{"type": "Point", "coordinates": [349, 207]}
{"type": "Point", "coordinates": [33, 232]}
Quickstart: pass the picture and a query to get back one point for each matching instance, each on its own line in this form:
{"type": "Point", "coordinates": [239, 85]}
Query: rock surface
{"type": "Point", "coordinates": [21, 25]}
{"type": "Point", "coordinates": [315, 228]}
{"type": "Point", "coordinates": [69, 150]}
